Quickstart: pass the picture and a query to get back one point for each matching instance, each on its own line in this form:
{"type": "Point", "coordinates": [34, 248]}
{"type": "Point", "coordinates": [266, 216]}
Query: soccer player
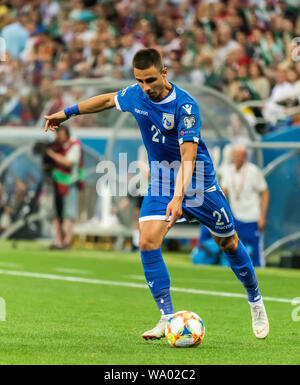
{"type": "Point", "coordinates": [170, 121]}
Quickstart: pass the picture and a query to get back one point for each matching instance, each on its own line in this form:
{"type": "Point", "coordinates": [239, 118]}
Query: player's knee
{"type": "Point", "coordinates": [229, 244]}
{"type": "Point", "coordinates": [147, 243]}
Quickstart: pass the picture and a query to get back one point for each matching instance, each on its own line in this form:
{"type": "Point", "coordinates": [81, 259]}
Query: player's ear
{"type": "Point", "coordinates": [164, 71]}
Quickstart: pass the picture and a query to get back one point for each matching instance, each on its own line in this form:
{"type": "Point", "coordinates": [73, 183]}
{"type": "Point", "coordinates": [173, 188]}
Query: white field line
{"type": "Point", "coordinates": [72, 271]}
{"type": "Point", "coordinates": [131, 284]}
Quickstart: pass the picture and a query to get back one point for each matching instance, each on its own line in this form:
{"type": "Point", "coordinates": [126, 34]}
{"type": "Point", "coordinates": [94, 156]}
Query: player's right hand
{"type": "Point", "coordinates": [53, 121]}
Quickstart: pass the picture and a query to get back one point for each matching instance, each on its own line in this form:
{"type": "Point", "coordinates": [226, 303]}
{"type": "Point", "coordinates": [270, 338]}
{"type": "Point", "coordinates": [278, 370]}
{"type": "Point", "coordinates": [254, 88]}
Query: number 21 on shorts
{"type": "Point", "coordinates": [217, 214]}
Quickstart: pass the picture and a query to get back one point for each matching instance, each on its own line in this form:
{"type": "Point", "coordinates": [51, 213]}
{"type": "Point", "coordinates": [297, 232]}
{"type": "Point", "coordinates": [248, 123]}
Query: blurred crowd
{"type": "Point", "coordinates": [16, 205]}
{"type": "Point", "coordinates": [243, 48]}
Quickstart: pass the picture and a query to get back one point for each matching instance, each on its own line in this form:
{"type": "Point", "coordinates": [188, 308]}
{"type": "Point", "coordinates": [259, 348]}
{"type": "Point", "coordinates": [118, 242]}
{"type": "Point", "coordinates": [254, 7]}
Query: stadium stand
{"type": "Point", "coordinates": [221, 44]}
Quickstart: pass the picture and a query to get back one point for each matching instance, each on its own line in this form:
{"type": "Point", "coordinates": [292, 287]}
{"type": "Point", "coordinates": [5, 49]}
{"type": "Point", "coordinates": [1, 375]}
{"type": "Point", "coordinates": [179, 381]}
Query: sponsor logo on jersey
{"type": "Point", "coordinates": [141, 112]}
{"type": "Point", "coordinates": [189, 121]}
{"type": "Point", "coordinates": [188, 108]}
{"type": "Point", "coordinates": [168, 121]}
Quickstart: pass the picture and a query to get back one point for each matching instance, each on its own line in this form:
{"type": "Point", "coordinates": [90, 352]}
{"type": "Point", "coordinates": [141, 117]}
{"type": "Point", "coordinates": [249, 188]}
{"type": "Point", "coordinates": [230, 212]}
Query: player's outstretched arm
{"type": "Point", "coordinates": [95, 104]}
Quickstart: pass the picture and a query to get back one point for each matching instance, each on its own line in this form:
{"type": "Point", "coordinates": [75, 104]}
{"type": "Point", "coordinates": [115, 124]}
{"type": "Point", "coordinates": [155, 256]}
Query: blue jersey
{"type": "Point", "coordinates": [164, 126]}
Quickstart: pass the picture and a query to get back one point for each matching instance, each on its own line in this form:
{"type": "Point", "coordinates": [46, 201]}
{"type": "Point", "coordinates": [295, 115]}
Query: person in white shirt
{"type": "Point", "coordinates": [246, 189]}
{"type": "Point", "coordinates": [273, 110]}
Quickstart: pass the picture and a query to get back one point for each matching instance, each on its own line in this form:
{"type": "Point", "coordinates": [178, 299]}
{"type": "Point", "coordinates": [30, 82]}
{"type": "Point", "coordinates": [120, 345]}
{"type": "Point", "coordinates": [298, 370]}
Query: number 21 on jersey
{"type": "Point", "coordinates": [155, 137]}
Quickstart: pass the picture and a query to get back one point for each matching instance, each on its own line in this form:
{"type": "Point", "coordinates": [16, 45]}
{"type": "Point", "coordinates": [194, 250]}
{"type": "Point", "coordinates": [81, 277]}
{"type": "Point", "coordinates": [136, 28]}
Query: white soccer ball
{"type": "Point", "coordinates": [185, 329]}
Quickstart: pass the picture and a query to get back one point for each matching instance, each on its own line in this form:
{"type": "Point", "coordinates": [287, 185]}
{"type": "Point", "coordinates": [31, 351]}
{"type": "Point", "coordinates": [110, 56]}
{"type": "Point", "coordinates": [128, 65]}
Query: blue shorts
{"type": "Point", "coordinates": [214, 212]}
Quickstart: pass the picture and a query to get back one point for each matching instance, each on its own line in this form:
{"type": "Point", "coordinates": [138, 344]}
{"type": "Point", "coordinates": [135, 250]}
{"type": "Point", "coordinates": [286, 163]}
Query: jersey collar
{"type": "Point", "coordinates": [167, 99]}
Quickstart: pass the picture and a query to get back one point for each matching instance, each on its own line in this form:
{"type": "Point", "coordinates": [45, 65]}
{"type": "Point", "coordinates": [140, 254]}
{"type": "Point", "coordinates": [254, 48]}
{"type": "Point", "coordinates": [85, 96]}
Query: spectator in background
{"type": "Point", "coordinates": [68, 178]}
{"type": "Point", "coordinates": [242, 79]}
{"type": "Point", "coordinates": [226, 45]}
{"type": "Point", "coordinates": [296, 85]}
{"type": "Point", "coordinates": [18, 206]}
{"type": "Point", "coordinates": [16, 35]}
{"type": "Point", "coordinates": [49, 11]}
{"type": "Point", "coordinates": [170, 41]}
{"type": "Point", "coordinates": [55, 97]}
{"type": "Point", "coordinates": [252, 113]}
{"type": "Point", "coordinates": [229, 84]}
{"type": "Point", "coordinates": [177, 72]}
{"type": "Point", "coordinates": [283, 88]}
{"type": "Point", "coordinates": [129, 48]}
{"type": "Point", "coordinates": [274, 108]}
{"type": "Point", "coordinates": [297, 68]}
{"type": "Point", "coordinates": [247, 191]}
{"type": "Point", "coordinates": [259, 83]}
{"type": "Point", "coordinates": [102, 67]}
{"type": "Point", "coordinates": [12, 108]}
{"type": "Point", "coordinates": [118, 71]}
{"type": "Point", "coordinates": [17, 201]}
{"type": "Point", "coordinates": [293, 79]}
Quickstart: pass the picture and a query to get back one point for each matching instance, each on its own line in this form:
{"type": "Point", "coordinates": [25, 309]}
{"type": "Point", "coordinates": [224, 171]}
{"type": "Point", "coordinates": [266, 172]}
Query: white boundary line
{"type": "Point", "coordinates": [131, 284]}
{"type": "Point", "coordinates": [71, 271]}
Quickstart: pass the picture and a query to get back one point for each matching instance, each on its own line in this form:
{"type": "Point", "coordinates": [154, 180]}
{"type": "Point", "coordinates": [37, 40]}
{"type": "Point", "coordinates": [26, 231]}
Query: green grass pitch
{"type": "Point", "coordinates": [52, 319]}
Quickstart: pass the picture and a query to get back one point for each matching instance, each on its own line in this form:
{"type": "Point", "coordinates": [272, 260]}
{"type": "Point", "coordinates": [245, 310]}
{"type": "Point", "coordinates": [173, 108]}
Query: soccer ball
{"type": "Point", "coordinates": [185, 329]}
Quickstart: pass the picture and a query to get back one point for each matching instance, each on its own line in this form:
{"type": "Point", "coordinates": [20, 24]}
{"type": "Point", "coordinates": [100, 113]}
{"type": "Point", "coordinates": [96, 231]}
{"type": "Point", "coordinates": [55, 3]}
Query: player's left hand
{"type": "Point", "coordinates": [174, 209]}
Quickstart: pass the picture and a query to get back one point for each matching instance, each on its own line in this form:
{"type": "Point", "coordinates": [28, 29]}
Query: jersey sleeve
{"type": "Point", "coordinates": [188, 123]}
{"type": "Point", "coordinates": [125, 98]}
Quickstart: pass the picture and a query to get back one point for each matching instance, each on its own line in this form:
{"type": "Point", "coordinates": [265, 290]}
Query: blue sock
{"type": "Point", "coordinates": [242, 267]}
{"type": "Point", "coordinates": [158, 279]}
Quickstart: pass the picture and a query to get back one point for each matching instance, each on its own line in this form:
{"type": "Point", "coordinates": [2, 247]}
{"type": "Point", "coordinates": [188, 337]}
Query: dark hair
{"type": "Point", "coordinates": [65, 129]}
{"type": "Point", "coordinates": [259, 67]}
{"type": "Point", "coordinates": [146, 58]}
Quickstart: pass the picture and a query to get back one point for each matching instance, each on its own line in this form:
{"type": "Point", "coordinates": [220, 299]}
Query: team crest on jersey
{"type": "Point", "coordinates": [168, 121]}
{"type": "Point", "coordinates": [189, 121]}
